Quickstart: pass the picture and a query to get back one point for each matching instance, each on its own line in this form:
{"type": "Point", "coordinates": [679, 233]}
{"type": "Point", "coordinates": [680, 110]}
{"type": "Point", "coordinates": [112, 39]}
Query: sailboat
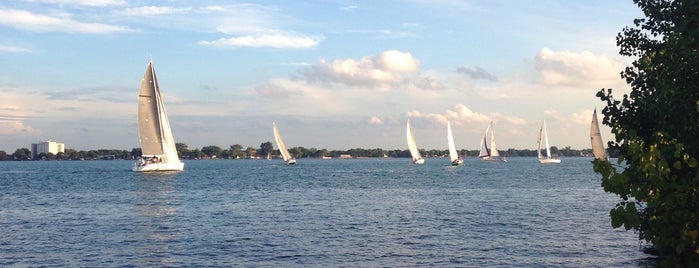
{"type": "Point", "coordinates": [547, 159]}
{"type": "Point", "coordinates": [157, 143]}
{"type": "Point", "coordinates": [282, 148]}
{"type": "Point", "coordinates": [417, 159]}
{"type": "Point", "coordinates": [453, 155]}
{"type": "Point", "coordinates": [596, 139]}
{"type": "Point", "coordinates": [490, 154]}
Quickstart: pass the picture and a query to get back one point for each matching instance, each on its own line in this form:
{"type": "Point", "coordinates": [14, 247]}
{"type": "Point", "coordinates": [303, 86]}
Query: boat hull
{"type": "Point", "coordinates": [419, 161]}
{"type": "Point", "coordinates": [494, 158]}
{"type": "Point", "coordinates": [151, 167]}
{"type": "Point", "coordinates": [549, 160]}
{"type": "Point", "coordinates": [457, 162]}
{"type": "Point", "coordinates": [291, 161]}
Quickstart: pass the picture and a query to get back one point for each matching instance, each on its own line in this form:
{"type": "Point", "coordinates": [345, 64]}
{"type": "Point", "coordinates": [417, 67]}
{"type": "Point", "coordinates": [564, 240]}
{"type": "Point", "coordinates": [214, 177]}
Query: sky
{"type": "Point", "coordinates": [332, 74]}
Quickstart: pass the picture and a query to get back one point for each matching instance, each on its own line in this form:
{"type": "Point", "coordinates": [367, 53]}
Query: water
{"type": "Point", "coordinates": [319, 213]}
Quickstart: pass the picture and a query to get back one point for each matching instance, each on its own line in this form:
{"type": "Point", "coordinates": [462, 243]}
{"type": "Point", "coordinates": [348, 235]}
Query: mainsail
{"type": "Point", "coordinates": [282, 148]}
{"type": "Point", "coordinates": [544, 134]}
{"type": "Point", "coordinates": [153, 124]}
{"type": "Point", "coordinates": [485, 151]}
{"type": "Point", "coordinates": [414, 152]}
{"type": "Point", "coordinates": [493, 148]}
{"type": "Point", "coordinates": [453, 155]}
{"type": "Point", "coordinates": [596, 139]}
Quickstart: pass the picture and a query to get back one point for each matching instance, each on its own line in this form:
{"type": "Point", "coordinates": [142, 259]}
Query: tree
{"type": "Point", "coordinates": [3, 155]}
{"type": "Point", "coordinates": [266, 148]}
{"type": "Point", "coordinates": [656, 128]}
{"type": "Point", "coordinates": [212, 151]}
{"type": "Point", "coordinates": [182, 149]}
{"type": "Point", "coordinates": [250, 152]}
{"type": "Point", "coordinates": [22, 154]}
{"type": "Point", "coordinates": [237, 151]}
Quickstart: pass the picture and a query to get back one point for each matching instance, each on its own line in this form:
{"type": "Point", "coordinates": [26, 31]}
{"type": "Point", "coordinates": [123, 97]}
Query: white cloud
{"type": "Point", "coordinates": [83, 2]}
{"type": "Point", "coordinates": [458, 115]}
{"type": "Point", "coordinates": [13, 49]}
{"type": "Point", "coordinates": [13, 123]}
{"type": "Point", "coordinates": [28, 21]}
{"type": "Point", "coordinates": [273, 40]}
{"type": "Point", "coordinates": [384, 34]}
{"type": "Point", "coordinates": [274, 90]}
{"type": "Point", "coordinates": [566, 68]}
{"type": "Point", "coordinates": [154, 11]}
{"type": "Point", "coordinates": [349, 8]}
{"type": "Point", "coordinates": [375, 120]}
{"type": "Point", "coordinates": [388, 68]}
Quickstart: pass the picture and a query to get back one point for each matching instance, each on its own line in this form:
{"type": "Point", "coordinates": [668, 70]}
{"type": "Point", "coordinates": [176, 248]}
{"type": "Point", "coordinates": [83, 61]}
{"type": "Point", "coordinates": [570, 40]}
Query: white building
{"type": "Point", "coordinates": [47, 147]}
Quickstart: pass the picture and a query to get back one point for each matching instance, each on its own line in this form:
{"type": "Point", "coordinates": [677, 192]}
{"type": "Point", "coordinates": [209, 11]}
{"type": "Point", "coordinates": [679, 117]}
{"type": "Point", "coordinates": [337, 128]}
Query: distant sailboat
{"type": "Point", "coordinates": [417, 159]}
{"type": "Point", "coordinates": [282, 148]}
{"type": "Point", "coordinates": [453, 155]}
{"type": "Point", "coordinates": [157, 143]}
{"type": "Point", "coordinates": [545, 159]}
{"type": "Point", "coordinates": [596, 139]}
{"type": "Point", "coordinates": [490, 154]}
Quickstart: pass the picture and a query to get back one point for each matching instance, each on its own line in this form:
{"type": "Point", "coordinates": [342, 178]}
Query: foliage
{"type": "Point", "coordinates": [656, 128]}
{"type": "Point", "coordinates": [212, 151]}
{"type": "Point", "coordinates": [237, 151]}
{"type": "Point", "coordinates": [266, 148]}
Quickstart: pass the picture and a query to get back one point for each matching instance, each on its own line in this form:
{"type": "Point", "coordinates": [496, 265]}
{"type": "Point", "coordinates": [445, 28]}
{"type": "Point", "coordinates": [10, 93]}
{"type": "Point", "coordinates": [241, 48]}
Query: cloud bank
{"type": "Point", "coordinates": [28, 21]}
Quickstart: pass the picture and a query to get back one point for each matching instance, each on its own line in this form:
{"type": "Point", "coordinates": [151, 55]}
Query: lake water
{"type": "Point", "coordinates": [319, 213]}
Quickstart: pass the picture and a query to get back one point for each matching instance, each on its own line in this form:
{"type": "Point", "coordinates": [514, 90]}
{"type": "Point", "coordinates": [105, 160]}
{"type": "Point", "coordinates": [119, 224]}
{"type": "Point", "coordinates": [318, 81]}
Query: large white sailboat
{"type": "Point", "coordinates": [596, 139]}
{"type": "Point", "coordinates": [157, 143]}
{"type": "Point", "coordinates": [282, 148]}
{"type": "Point", "coordinates": [490, 154]}
{"type": "Point", "coordinates": [545, 159]}
{"type": "Point", "coordinates": [453, 154]}
{"type": "Point", "coordinates": [414, 152]}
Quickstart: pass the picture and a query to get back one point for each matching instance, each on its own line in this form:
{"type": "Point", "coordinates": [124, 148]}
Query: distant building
{"type": "Point", "coordinates": [47, 147]}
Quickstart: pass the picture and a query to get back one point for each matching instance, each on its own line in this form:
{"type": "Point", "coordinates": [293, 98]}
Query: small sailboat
{"type": "Point", "coordinates": [453, 155]}
{"type": "Point", "coordinates": [282, 148]}
{"type": "Point", "coordinates": [157, 143]}
{"type": "Point", "coordinates": [490, 154]}
{"type": "Point", "coordinates": [547, 159]}
{"type": "Point", "coordinates": [596, 139]}
{"type": "Point", "coordinates": [414, 152]}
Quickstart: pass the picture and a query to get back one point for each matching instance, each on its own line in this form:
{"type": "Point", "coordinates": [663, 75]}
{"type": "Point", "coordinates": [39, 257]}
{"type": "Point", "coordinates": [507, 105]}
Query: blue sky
{"type": "Point", "coordinates": [331, 74]}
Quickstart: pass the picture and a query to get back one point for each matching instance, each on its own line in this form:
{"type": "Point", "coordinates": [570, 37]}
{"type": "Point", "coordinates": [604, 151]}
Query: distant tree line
{"type": "Point", "coordinates": [266, 149]}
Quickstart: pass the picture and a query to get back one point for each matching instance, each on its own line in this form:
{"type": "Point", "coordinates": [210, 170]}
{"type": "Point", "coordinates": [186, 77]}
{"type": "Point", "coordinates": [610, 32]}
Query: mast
{"type": "Point", "coordinates": [538, 152]}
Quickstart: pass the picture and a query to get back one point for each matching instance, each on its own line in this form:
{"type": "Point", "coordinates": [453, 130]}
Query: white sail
{"type": "Point", "coordinates": [414, 152]}
{"type": "Point", "coordinates": [484, 152]}
{"type": "Point", "coordinates": [492, 152]}
{"type": "Point", "coordinates": [547, 158]}
{"type": "Point", "coordinates": [596, 139]}
{"type": "Point", "coordinates": [157, 142]}
{"type": "Point", "coordinates": [453, 154]}
{"type": "Point", "coordinates": [493, 147]}
{"type": "Point", "coordinates": [282, 148]}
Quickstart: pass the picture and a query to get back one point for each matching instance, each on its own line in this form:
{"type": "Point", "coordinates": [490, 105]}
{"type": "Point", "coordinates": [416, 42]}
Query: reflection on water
{"type": "Point", "coordinates": [156, 210]}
